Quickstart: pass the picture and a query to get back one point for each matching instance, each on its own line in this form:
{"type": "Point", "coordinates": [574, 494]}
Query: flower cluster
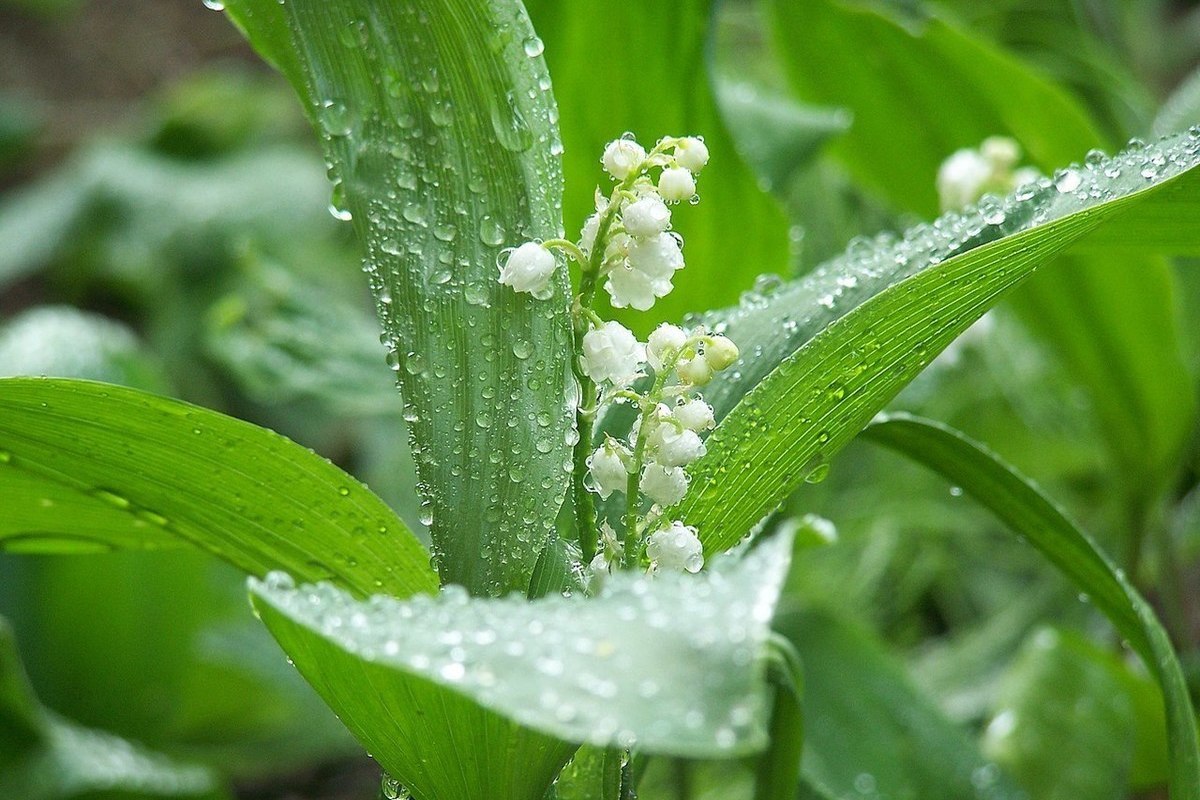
{"type": "Point", "coordinates": [666, 436]}
{"type": "Point", "coordinates": [628, 246]}
{"type": "Point", "coordinates": [968, 174]}
{"type": "Point", "coordinates": [628, 241]}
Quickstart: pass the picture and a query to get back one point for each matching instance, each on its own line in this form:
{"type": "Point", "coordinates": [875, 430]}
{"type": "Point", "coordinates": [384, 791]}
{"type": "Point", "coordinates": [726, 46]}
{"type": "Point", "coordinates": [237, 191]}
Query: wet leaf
{"type": "Point", "coordinates": [89, 466]}
{"type": "Point", "coordinates": [437, 120]}
{"type": "Point", "coordinates": [618, 668]}
{"type": "Point", "coordinates": [1018, 503]}
{"type": "Point", "coordinates": [825, 353]}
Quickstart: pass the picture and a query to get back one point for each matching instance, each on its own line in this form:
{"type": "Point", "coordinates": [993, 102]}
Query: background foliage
{"type": "Point", "coordinates": [174, 237]}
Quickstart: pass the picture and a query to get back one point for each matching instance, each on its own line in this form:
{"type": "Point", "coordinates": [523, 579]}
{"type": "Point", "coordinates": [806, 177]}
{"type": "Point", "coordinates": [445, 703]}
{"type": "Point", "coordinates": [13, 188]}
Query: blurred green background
{"type": "Point", "coordinates": [164, 224]}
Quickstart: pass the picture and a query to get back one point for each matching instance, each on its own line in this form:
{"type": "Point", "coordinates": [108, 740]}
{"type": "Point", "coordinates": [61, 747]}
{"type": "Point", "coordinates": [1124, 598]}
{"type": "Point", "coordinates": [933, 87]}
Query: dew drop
{"type": "Point", "coordinates": [534, 47]}
{"type": "Point", "coordinates": [491, 232]}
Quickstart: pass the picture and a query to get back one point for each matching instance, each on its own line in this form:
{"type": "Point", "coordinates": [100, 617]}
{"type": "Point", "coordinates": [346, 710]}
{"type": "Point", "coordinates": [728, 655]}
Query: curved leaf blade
{"type": "Point", "coordinates": [437, 125]}
{"type": "Point", "coordinates": [1110, 318]}
{"type": "Point", "coordinates": [87, 466]}
{"type": "Point", "coordinates": [1019, 504]}
{"type": "Point", "coordinates": [616, 669]}
{"type": "Point", "coordinates": [827, 352]}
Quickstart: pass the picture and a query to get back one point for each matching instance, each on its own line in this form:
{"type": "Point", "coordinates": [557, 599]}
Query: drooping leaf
{"type": "Point", "coordinates": [89, 466]}
{"type": "Point", "coordinates": [869, 731]}
{"type": "Point", "coordinates": [436, 119]}
{"type": "Point", "coordinates": [778, 773]}
{"type": "Point", "coordinates": [20, 724]}
{"type": "Point", "coordinates": [1019, 504]}
{"type": "Point", "coordinates": [615, 669]}
{"type": "Point", "coordinates": [827, 352]}
{"type": "Point", "coordinates": [1111, 319]}
{"type": "Point", "coordinates": [655, 82]}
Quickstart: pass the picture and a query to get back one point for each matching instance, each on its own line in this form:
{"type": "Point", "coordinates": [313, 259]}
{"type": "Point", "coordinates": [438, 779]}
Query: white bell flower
{"type": "Point", "coordinates": [646, 216]}
{"type": "Point", "coordinates": [676, 184]}
{"type": "Point", "coordinates": [622, 157]}
{"type": "Point", "coordinates": [695, 370]}
{"type": "Point", "coordinates": [630, 288]}
{"type": "Point", "coordinates": [607, 467]}
{"type": "Point", "coordinates": [720, 352]}
{"type": "Point", "coordinates": [658, 256]}
{"type": "Point", "coordinates": [673, 445]}
{"type": "Point", "coordinates": [691, 153]}
{"type": "Point", "coordinates": [676, 547]}
{"type": "Point", "coordinates": [695, 415]}
{"type": "Point", "coordinates": [666, 340]}
{"type": "Point", "coordinates": [612, 353]}
{"type": "Point", "coordinates": [529, 269]}
{"type": "Point", "coordinates": [664, 485]}
{"type": "Point", "coordinates": [587, 236]}
{"type": "Point", "coordinates": [962, 177]}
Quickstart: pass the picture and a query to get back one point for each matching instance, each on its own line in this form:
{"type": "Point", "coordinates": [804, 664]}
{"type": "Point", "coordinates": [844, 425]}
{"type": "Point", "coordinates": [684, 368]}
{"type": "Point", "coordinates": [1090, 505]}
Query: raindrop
{"type": "Point", "coordinates": [336, 118]}
{"type": "Point", "coordinates": [215, 5]}
{"type": "Point", "coordinates": [534, 47]}
{"type": "Point", "coordinates": [1067, 180]}
{"type": "Point", "coordinates": [491, 232]}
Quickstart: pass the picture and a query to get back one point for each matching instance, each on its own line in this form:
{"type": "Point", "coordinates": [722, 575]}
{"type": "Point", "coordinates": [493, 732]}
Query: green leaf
{"type": "Point", "coordinates": [1018, 503]}
{"type": "Point", "coordinates": [869, 731]}
{"type": "Point", "coordinates": [436, 122]}
{"type": "Point", "coordinates": [45, 757]}
{"type": "Point", "coordinates": [1061, 688]}
{"type": "Point", "coordinates": [618, 668]}
{"type": "Point", "coordinates": [1111, 319]}
{"type": "Point", "coordinates": [832, 349]}
{"type": "Point", "coordinates": [1182, 108]}
{"type": "Point", "coordinates": [89, 466]}
{"type": "Point", "coordinates": [655, 82]}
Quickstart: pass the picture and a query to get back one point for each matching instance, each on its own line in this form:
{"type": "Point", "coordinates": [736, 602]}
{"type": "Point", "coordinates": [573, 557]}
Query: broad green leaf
{"type": "Point", "coordinates": [437, 122]}
{"type": "Point", "coordinates": [89, 466]}
{"type": "Point", "coordinates": [655, 82]}
{"type": "Point", "coordinates": [869, 731]}
{"type": "Point", "coordinates": [45, 757]}
{"type": "Point", "coordinates": [1063, 689]}
{"type": "Point", "coordinates": [1018, 503]}
{"type": "Point", "coordinates": [593, 773]}
{"type": "Point", "coordinates": [829, 351]}
{"type": "Point", "coordinates": [1110, 318]}
{"type": "Point", "coordinates": [619, 668]}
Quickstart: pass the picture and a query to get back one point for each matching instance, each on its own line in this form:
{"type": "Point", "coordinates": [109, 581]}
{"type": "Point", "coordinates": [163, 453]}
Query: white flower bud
{"type": "Point", "coordinates": [587, 236]}
{"type": "Point", "coordinates": [695, 415]}
{"type": "Point", "coordinates": [719, 352]}
{"type": "Point", "coordinates": [676, 184]}
{"type": "Point", "coordinates": [664, 485]}
{"type": "Point", "coordinates": [607, 467]}
{"type": "Point", "coordinates": [529, 269]}
{"type": "Point", "coordinates": [694, 370]}
{"type": "Point", "coordinates": [673, 446]}
{"type": "Point", "coordinates": [666, 339]}
{"type": "Point", "coordinates": [676, 547]}
{"type": "Point", "coordinates": [622, 157]}
{"type": "Point", "coordinates": [612, 353]}
{"type": "Point", "coordinates": [961, 179]}
{"type": "Point", "coordinates": [658, 256]}
{"type": "Point", "coordinates": [691, 153]}
{"type": "Point", "coordinates": [1001, 152]}
{"type": "Point", "coordinates": [630, 288]}
{"type": "Point", "coordinates": [646, 216]}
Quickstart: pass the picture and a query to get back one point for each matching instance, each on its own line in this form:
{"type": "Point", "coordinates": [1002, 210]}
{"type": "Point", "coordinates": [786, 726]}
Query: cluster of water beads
{"type": "Point", "coordinates": [621, 667]}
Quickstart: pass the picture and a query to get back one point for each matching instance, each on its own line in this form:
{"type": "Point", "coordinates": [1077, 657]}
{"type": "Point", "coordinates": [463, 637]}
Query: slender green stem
{"type": "Point", "coordinates": [633, 484]}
